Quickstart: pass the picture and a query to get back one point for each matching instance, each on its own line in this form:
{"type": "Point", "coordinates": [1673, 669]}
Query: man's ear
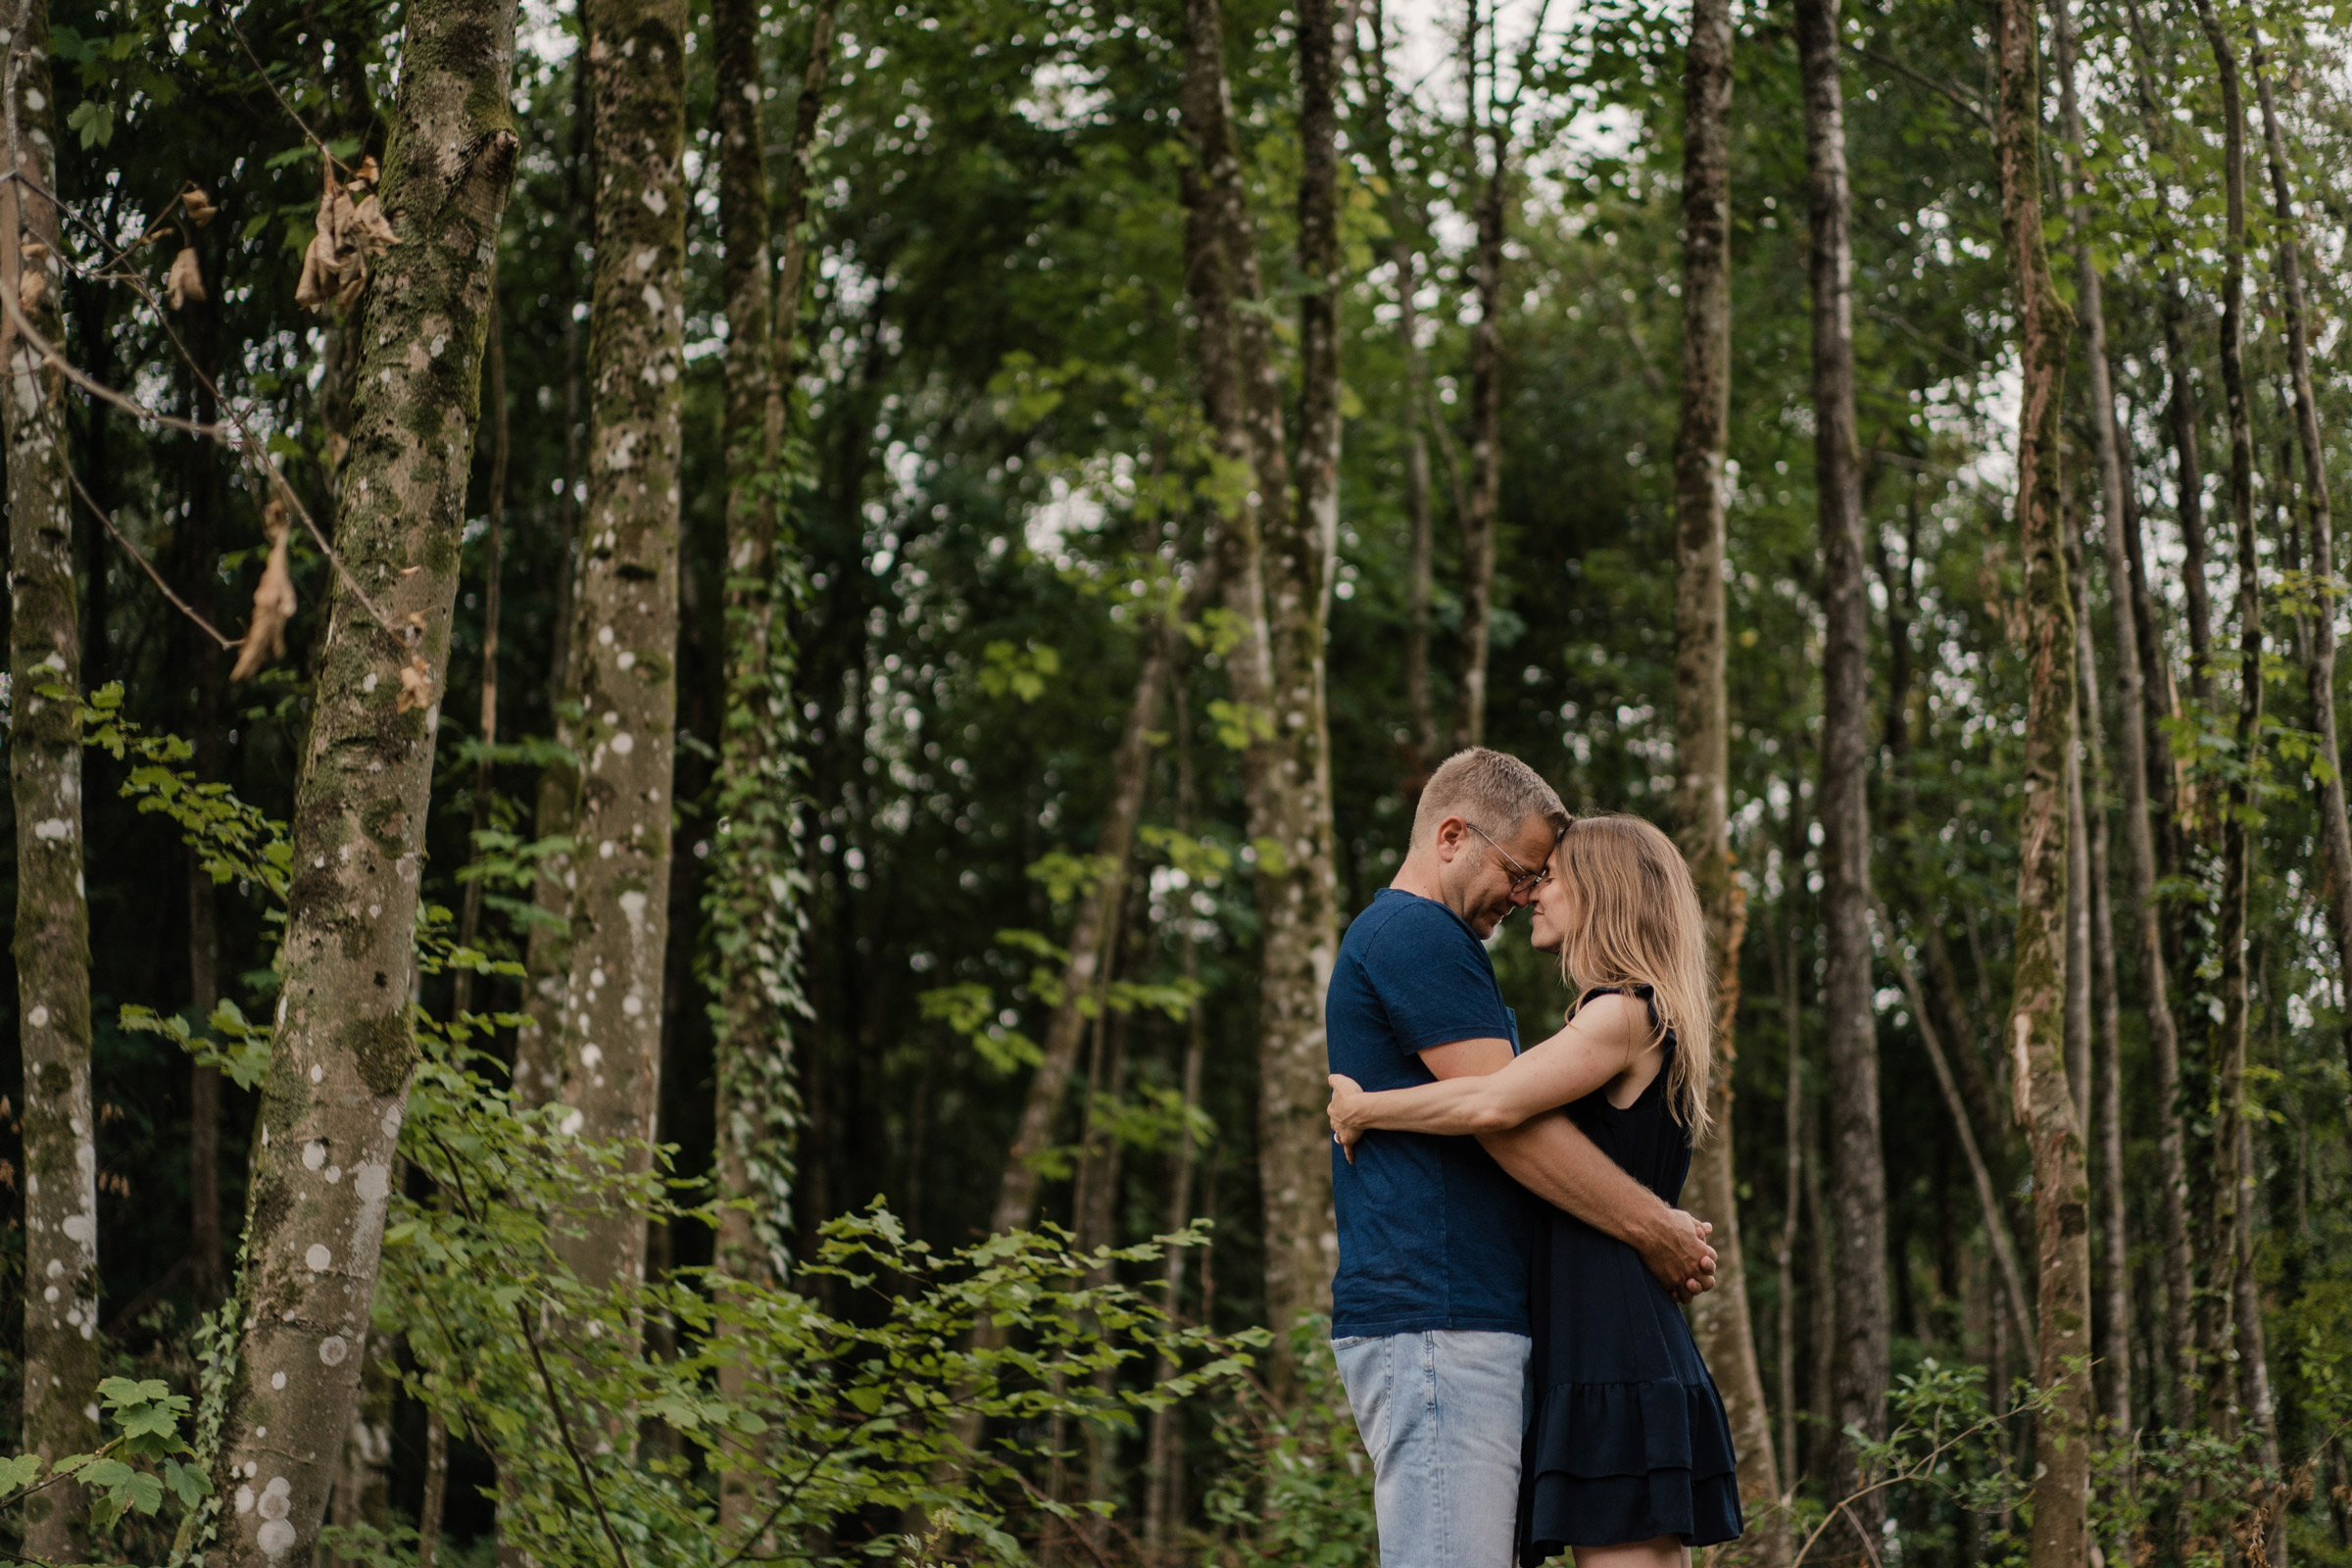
{"type": "Point", "coordinates": [1446, 838]}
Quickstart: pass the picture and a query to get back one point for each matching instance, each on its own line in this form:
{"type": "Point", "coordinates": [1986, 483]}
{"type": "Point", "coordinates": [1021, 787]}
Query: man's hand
{"type": "Point", "coordinates": [1675, 1250]}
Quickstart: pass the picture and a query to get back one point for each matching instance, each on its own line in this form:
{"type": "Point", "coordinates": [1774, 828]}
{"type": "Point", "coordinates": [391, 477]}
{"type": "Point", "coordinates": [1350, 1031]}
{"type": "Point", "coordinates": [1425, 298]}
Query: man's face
{"type": "Point", "coordinates": [1486, 881]}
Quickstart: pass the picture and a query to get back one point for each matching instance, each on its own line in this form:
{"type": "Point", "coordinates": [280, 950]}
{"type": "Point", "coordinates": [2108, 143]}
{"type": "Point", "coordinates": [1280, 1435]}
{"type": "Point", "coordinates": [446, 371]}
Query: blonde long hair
{"type": "Point", "coordinates": [1638, 922]}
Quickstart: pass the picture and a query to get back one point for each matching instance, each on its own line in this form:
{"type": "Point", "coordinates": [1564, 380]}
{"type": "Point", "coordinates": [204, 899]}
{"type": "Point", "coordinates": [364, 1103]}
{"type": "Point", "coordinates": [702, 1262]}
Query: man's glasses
{"type": "Point", "coordinates": [1523, 881]}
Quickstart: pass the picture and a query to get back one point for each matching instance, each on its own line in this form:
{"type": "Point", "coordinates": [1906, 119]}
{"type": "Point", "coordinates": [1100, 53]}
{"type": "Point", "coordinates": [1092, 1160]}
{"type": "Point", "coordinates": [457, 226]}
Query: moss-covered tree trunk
{"type": "Point", "coordinates": [624, 632]}
{"type": "Point", "coordinates": [2036, 1036]}
{"type": "Point", "coordinates": [44, 764]}
{"type": "Point", "coordinates": [1857, 1165]}
{"type": "Point", "coordinates": [339, 1068]}
{"type": "Point", "coordinates": [1702, 740]}
{"type": "Point", "coordinates": [1491, 213]}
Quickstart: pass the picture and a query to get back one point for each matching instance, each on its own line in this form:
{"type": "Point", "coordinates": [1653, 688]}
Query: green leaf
{"type": "Point", "coordinates": [19, 1472]}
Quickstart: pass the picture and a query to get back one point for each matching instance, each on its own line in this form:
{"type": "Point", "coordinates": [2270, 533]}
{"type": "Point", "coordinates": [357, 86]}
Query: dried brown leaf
{"type": "Point", "coordinates": [272, 601]}
{"type": "Point", "coordinates": [369, 171]}
{"type": "Point", "coordinates": [416, 686]}
{"type": "Point", "coordinates": [32, 288]}
{"type": "Point", "coordinates": [35, 251]}
{"type": "Point", "coordinates": [198, 205]}
{"type": "Point", "coordinates": [185, 282]}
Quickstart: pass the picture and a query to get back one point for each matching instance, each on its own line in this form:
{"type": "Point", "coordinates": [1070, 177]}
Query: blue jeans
{"type": "Point", "coordinates": [1441, 1415]}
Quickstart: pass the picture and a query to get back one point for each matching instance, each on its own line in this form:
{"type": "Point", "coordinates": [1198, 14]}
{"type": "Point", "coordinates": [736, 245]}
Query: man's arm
{"type": "Point", "coordinates": [1551, 1158]}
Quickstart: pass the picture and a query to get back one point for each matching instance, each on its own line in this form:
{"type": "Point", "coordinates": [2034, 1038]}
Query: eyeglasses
{"type": "Point", "coordinates": [1523, 881]}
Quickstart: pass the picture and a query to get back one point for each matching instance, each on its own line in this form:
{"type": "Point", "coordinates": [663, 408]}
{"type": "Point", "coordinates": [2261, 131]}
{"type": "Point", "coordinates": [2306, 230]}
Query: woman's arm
{"type": "Point", "coordinates": [1599, 1043]}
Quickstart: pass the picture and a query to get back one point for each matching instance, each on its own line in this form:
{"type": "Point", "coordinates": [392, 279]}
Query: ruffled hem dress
{"type": "Point", "coordinates": [1628, 1439]}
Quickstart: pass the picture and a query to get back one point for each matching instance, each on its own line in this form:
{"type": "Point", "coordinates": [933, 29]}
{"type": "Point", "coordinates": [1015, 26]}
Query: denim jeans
{"type": "Point", "coordinates": [1441, 1415]}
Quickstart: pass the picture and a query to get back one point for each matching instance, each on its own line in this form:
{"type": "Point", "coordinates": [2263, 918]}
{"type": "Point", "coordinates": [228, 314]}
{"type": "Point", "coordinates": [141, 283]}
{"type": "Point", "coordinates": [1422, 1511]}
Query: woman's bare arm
{"type": "Point", "coordinates": [1598, 1045]}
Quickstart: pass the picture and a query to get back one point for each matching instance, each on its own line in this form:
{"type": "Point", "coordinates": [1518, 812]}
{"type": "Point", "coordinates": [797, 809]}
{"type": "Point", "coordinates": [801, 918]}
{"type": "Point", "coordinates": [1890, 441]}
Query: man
{"type": "Point", "coordinates": [1429, 1306]}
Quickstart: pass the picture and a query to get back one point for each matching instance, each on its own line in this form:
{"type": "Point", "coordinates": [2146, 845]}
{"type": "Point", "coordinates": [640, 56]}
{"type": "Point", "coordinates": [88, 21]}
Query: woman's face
{"type": "Point", "coordinates": [1553, 914]}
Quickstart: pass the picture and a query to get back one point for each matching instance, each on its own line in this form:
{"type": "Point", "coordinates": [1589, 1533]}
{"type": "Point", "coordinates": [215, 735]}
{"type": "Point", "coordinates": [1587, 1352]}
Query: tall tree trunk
{"type": "Point", "coordinates": [2132, 730]}
{"type": "Point", "coordinates": [52, 945]}
{"type": "Point", "coordinates": [1491, 213]}
{"type": "Point", "coordinates": [1857, 1160]}
{"type": "Point", "coordinates": [2318, 639]}
{"type": "Point", "coordinates": [2228, 1046]}
{"type": "Point", "coordinates": [1091, 938]}
{"type": "Point", "coordinates": [1792, 1135]}
{"type": "Point", "coordinates": [2036, 1027]}
{"type": "Point", "coordinates": [625, 628]}
{"type": "Point", "coordinates": [1164, 1509]}
{"type": "Point", "coordinates": [470, 919]}
{"type": "Point", "coordinates": [1420, 705]}
{"type": "Point", "coordinates": [1703, 738]}
{"type": "Point", "coordinates": [547, 953]}
{"type": "Point", "coordinates": [343, 1049]}
{"type": "Point", "coordinates": [1298, 892]}
{"type": "Point", "coordinates": [755, 897]}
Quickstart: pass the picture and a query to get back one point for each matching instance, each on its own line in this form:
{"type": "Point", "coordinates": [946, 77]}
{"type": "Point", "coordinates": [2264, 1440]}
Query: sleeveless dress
{"type": "Point", "coordinates": [1629, 1439]}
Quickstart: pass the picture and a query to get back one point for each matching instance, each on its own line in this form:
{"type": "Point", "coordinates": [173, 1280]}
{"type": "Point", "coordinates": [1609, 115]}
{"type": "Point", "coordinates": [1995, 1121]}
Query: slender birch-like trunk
{"type": "Point", "coordinates": [1492, 212]}
{"type": "Point", "coordinates": [625, 624]}
{"type": "Point", "coordinates": [52, 946]}
{"type": "Point", "coordinates": [1702, 739]}
{"type": "Point", "coordinates": [1420, 705]}
{"type": "Point", "coordinates": [1163, 1465]}
{"type": "Point", "coordinates": [1857, 1162]}
{"type": "Point", "coordinates": [343, 1049]}
{"type": "Point", "coordinates": [547, 954]}
{"type": "Point", "coordinates": [2319, 640]}
{"type": "Point", "coordinates": [469, 918]}
{"type": "Point", "coordinates": [2228, 1044]}
{"type": "Point", "coordinates": [2045, 1104]}
{"type": "Point", "coordinates": [2132, 730]}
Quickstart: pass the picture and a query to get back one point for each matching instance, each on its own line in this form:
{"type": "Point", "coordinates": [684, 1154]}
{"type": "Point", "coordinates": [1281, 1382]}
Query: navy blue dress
{"type": "Point", "coordinates": [1629, 1439]}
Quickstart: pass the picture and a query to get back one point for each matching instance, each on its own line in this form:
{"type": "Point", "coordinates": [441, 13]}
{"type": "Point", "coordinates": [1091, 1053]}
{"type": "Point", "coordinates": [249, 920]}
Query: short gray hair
{"type": "Point", "coordinates": [1494, 791]}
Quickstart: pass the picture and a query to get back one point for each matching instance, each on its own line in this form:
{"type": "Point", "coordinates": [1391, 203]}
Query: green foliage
{"type": "Point", "coordinates": [1296, 1491]}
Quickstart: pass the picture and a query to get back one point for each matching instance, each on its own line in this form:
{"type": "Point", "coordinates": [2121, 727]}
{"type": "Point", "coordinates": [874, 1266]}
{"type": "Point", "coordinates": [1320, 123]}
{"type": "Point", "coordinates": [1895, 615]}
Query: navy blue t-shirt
{"type": "Point", "coordinates": [1433, 1235]}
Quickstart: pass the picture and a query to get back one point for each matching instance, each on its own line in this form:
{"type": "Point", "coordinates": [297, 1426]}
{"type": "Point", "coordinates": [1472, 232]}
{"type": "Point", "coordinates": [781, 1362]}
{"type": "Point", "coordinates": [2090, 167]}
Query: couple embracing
{"type": "Point", "coordinates": [1507, 1315]}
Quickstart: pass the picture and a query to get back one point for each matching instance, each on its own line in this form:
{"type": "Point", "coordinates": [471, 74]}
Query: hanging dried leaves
{"type": "Point", "coordinates": [353, 233]}
{"type": "Point", "coordinates": [197, 203]}
{"type": "Point", "coordinates": [33, 286]}
{"type": "Point", "coordinates": [415, 685]}
{"type": "Point", "coordinates": [185, 280]}
{"type": "Point", "coordinates": [272, 601]}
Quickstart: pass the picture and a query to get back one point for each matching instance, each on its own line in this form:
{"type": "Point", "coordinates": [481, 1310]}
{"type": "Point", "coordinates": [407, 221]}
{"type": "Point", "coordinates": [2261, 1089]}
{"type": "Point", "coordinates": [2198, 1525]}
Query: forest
{"type": "Point", "coordinates": [754, 654]}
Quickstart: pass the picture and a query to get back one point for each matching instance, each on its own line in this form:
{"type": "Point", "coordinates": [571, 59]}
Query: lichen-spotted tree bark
{"type": "Point", "coordinates": [2035, 1034]}
{"type": "Point", "coordinates": [1857, 1195]}
{"type": "Point", "coordinates": [625, 624]}
{"type": "Point", "coordinates": [2319, 640]}
{"type": "Point", "coordinates": [52, 945]}
{"type": "Point", "coordinates": [1702, 739]}
{"type": "Point", "coordinates": [1297, 890]}
{"type": "Point", "coordinates": [342, 1051]}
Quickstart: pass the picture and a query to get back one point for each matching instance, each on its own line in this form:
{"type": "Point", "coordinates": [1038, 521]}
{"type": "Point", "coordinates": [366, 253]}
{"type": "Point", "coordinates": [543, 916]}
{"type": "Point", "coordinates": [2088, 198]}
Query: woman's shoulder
{"type": "Point", "coordinates": [1607, 1008]}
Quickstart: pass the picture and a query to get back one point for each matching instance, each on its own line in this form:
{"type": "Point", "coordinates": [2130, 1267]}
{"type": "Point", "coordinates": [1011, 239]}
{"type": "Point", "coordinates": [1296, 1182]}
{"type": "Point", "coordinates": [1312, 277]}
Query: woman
{"type": "Point", "coordinates": [1629, 1454]}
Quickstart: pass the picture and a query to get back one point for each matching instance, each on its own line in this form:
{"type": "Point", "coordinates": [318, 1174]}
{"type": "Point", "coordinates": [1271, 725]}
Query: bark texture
{"type": "Point", "coordinates": [2044, 1101]}
{"type": "Point", "coordinates": [1298, 891]}
{"type": "Point", "coordinates": [52, 943]}
{"type": "Point", "coordinates": [1702, 741]}
{"type": "Point", "coordinates": [1857, 1195]}
{"type": "Point", "coordinates": [625, 624]}
{"type": "Point", "coordinates": [343, 1049]}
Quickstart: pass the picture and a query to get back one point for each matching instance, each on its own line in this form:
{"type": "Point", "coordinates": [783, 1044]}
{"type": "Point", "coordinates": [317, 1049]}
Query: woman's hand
{"type": "Point", "coordinates": [1346, 1102]}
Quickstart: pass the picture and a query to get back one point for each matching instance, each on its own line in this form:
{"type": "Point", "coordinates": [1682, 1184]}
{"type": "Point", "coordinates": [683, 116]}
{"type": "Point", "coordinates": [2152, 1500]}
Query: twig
{"type": "Point", "coordinates": [1953, 95]}
{"type": "Point", "coordinates": [146, 565]}
{"type": "Point", "coordinates": [262, 72]}
{"type": "Point", "coordinates": [596, 1500]}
